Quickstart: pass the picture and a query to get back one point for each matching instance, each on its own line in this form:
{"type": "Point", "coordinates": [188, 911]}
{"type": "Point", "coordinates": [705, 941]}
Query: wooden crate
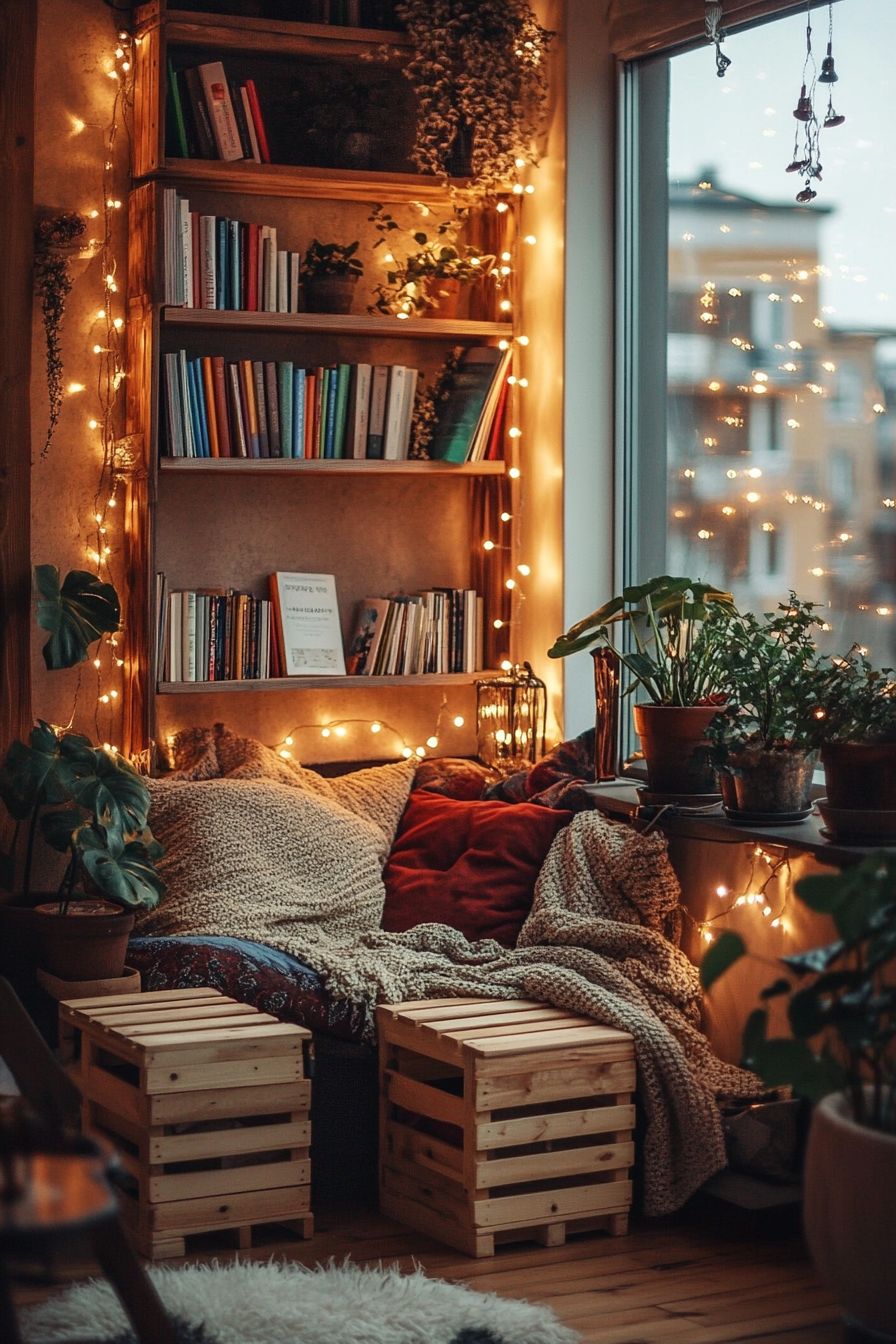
{"type": "Point", "coordinates": [503, 1120]}
{"type": "Point", "coordinates": [207, 1103]}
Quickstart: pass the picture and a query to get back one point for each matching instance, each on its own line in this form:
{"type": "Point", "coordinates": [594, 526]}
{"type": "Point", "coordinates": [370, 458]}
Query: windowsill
{"type": "Point", "coordinates": [618, 799]}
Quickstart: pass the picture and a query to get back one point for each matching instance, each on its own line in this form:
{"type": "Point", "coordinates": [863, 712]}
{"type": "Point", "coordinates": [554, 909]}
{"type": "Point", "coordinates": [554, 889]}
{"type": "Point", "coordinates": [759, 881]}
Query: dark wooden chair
{"type": "Point", "coordinates": [54, 1183]}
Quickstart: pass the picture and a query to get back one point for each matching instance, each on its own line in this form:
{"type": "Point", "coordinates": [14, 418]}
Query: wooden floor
{"type": "Point", "coordinates": [702, 1277]}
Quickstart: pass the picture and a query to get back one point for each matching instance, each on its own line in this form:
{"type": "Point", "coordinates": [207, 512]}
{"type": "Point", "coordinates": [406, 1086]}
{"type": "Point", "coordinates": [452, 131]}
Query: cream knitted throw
{"type": "Point", "coordinates": [593, 943]}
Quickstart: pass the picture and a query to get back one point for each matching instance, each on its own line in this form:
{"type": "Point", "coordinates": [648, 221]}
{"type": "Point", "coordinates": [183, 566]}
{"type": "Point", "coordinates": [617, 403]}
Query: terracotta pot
{"type": "Point", "coordinates": [447, 295]}
{"type": "Point", "coordinates": [675, 747]}
{"type": "Point", "coordinates": [772, 781]}
{"type": "Point", "coordinates": [850, 1213]}
{"type": "Point", "coordinates": [329, 293]}
{"type": "Point", "coordinates": [90, 942]}
{"type": "Point", "coordinates": [860, 775]}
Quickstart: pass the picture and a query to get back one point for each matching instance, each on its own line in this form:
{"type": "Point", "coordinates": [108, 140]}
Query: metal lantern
{"type": "Point", "coordinates": [511, 716]}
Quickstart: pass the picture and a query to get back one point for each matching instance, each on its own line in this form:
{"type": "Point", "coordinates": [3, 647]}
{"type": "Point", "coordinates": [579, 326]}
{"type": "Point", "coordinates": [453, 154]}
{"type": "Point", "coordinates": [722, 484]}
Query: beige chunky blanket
{"type": "Point", "coordinates": [260, 854]}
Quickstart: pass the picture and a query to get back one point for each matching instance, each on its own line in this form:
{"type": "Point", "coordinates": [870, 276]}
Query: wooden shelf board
{"type": "Point", "coordinates": [329, 466]}
{"type": "Point", "coordinates": [433, 328]}
{"type": "Point", "coordinates": [322, 683]}
{"type": "Point", "coordinates": [328, 184]}
{"type": "Point", "coordinates": [253, 34]}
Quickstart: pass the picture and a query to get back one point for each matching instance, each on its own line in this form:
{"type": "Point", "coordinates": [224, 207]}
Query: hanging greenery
{"type": "Point", "coordinates": [53, 247]}
{"type": "Point", "coordinates": [479, 72]}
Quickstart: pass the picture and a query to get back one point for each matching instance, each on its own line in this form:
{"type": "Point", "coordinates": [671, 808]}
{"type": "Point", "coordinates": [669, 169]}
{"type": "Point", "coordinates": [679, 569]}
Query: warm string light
{"type": "Point", "coordinates": [765, 868]}
{"type": "Point", "coordinates": [339, 728]}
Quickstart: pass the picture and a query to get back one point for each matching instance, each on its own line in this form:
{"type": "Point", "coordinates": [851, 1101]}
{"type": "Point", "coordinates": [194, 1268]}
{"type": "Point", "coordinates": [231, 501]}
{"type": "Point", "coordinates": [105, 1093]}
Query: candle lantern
{"type": "Point", "coordinates": [511, 717]}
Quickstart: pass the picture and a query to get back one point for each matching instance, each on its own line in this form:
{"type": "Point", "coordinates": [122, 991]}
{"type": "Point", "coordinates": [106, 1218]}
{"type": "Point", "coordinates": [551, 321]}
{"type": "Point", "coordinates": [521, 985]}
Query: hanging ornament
{"type": "Point", "coordinates": [806, 151]}
{"type": "Point", "coordinates": [715, 33]}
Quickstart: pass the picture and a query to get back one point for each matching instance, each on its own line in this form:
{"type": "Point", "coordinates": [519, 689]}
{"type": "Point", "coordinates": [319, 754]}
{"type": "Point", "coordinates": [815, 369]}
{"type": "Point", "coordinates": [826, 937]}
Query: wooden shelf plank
{"type": "Point", "coordinates": [321, 683]}
{"type": "Point", "coordinates": [329, 466]}
{"type": "Point", "coordinates": [434, 328]}
{"type": "Point", "coordinates": [281, 36]}
{"type": "Point", "coordinates": [328, 184]}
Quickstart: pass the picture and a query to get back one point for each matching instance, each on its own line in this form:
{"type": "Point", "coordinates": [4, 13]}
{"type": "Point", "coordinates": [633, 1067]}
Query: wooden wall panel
{"type": "Point", "coordinates": [18, 44]}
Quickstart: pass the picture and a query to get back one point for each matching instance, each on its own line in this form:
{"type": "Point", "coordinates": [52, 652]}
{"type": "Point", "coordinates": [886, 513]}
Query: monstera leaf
{"type": "Point", "coordinates": [105, 784]}
{"type": "Point", "coordinates": [76, 612]}
{"type": "Point", "coordinates": [30, 773]}
{"type": "Point", "coordinates": [123, 870]}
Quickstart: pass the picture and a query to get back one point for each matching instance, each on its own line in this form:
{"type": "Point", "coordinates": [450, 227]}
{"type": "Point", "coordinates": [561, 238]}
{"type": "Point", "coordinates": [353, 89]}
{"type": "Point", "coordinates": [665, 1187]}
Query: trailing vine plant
{"type": "Point", "coordinates": [53, 248]}
{"type": "Point", "coordinates": [479, 71]}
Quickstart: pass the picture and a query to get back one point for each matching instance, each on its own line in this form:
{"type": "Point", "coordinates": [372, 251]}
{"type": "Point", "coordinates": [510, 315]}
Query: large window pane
{"type": "Point", "coordinates": [781, 351]}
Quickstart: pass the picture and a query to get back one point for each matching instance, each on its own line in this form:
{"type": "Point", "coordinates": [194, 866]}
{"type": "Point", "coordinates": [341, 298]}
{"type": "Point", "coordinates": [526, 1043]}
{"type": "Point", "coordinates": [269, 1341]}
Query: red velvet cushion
{"type": "Point", "coordinates": [472, 865]}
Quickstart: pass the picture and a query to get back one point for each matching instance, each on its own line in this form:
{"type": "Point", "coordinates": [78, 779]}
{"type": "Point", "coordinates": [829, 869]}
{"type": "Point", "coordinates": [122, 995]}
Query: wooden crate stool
{"type": "Point", "coordinates": [502, 1121]}
{"type": "Point", "coordinates": [207, 1102]}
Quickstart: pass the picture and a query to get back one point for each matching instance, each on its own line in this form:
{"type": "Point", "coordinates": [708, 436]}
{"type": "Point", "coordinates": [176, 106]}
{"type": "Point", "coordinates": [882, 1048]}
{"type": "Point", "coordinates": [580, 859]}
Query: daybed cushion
{"type": "Point", "coordinates": [472, 865]}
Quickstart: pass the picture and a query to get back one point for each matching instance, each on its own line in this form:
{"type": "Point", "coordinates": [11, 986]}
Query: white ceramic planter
{"type": "Point", "coordinates": [850, 1213]}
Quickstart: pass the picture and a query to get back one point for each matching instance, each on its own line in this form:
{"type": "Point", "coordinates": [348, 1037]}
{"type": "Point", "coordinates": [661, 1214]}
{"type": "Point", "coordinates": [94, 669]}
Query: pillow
{"type": "Point", "coordinates": [273, 862]}
{"type": "Point", "coordinates": [454, 776]}
{"type": "Point", "coordinates": [472, 865]}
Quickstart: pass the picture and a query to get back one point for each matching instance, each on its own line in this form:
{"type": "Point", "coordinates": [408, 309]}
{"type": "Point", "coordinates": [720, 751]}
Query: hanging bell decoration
{"type": "Point", "coordinates": [833, 119]}
{"type": "Point", "coordinates": [806, 195]}
{"type": "Point", "coordinates": [511, 717]}
{"type": "Point", "coordinates": [828, 73]}
{"type": "Point", "coordinates": [803, 109]}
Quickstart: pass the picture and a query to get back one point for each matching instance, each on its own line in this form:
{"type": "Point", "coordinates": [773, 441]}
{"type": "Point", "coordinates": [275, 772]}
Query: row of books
{"type": "Point", "coordinates": [212, 117]}
{"type": "Point", "coordinates": [214, 262]}
{"type": "Point", "coordinates": [254, 408]}
{"type": "Point", "coordinates": [431, 632]}
{"type": "Point", "coordinates": [219, 634]}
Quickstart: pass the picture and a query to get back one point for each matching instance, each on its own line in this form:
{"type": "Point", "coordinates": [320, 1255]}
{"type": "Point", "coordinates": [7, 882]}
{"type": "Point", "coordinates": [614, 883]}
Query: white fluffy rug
{"type": "Point", "coordinates": [251, 1303]}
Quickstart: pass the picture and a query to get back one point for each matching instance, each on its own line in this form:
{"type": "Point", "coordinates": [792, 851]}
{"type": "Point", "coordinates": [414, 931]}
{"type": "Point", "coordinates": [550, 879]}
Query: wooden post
{"type": "Point", "coordinates": [18, 42]}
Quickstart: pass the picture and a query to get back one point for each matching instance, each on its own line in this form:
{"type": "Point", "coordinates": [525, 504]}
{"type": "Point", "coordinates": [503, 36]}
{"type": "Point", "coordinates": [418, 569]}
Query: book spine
{"type": "Point", "coordinates": [252, 269]}
{"type": "Point", "coordinates": [172, 401]}
{"type": "Point", "coordinates": [196, 281]}
{"type": "Point", "coordinates": [257, 118]}
{"type": "Point", "coordinates": [329, 435]}
{"type": "Point", "coordinates": [233, 259]}
{"type": "Point", "coordinates": [207, 229]}
{"type": "Point", "coordinates": [239, 116]}
{"type": "Point", "coordinates": [186, 252]}
{"type": "Point", "coordinates": [407, 416]}
{"type": "Point", "coordinates": [189, 639]}
{"type": "Point", "coordinates": [267, 262]}
{"type": "Point", "coordinates": [244, 267]}
{"type": "Point", "coordinates": [220, 108]}
{"type": "Point", "coordinates": [250, 123]}
{"type": "Point", "coordinates": [189, 438]}
{"type": "Point", "coordinates": [378, 390]}
{"type": "Point", "coordinates": [240, 443]}
{"type": "Point", "coordinates": [221, 418]}
{"type": "Point", "coordinates": [298, 413]}
{"type": "Point", "coordinates": [394, 412]}
{"type": "Point", "coordinates": [294, 265]}
{"type": "Point", "coordinates": [247, 393]}
{"type": "Point", "coordinates": [310, 404]}
{"type": "Point", "coordinates": [264, 445]}
{"type": "Point", "coordinates": [205, 136]}
{"type": "Point", "coordinates": [271, 277]}
{"type": "Point", "coordinates": [272, 400]}
{"type": "Point", "coordinates": [359, 417]}
{"type": "Point", "coordinates": [211, 409]}
{"type": "Point", "coordinates": [285, 407]}
{"type": "Point", "coordinates": [282, 282]}
{"type": "Point", "coordinates": [179, 137]}
{"type": "Point", "coordinates": [199, 416]}
{"type": "Point", "coordinates": [221, 264]}
{"type": "Point", "coordinates": [342, 386]}
{"type": "Point", "coordinates": [320, 411]}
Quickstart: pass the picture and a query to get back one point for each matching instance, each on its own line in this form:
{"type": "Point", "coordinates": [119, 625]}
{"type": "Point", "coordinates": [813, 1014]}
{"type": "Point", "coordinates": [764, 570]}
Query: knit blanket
{"type": "Point", "coordinates": [260, 857]}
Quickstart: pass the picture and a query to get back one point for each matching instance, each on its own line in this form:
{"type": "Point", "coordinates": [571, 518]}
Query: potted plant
{"type": "Point", "coordinates": [841, 1008]}
{"type": "Point", "coordinates": [766, 738]}
{"type": "Point", "coordinates": [92, 805]}
{"type": "Point", "coordinates": [330, 272]}
{"type": "Point", "coordinates": [859, 748]}
{"type": "Point", "coordinates": [428, 281]}
{"type": "Point", "coordinates": [677, 626]}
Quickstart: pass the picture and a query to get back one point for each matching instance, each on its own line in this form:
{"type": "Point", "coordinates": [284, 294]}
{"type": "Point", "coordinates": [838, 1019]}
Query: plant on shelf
{"type": "Point", "coordinates": [858, 750]}
{"type": "Point", "coordinates": [678, 628]}
{"type": "Point", "coordinates": [330, 272]}
{"type": "Point", "coordinates": [479, 73]}
{"type": "Point", "coordinates": [766, 738]}
{"type": "Point", "coordinates": [841, 1009]}
{"type": "Point", "coordinates": [428, 278]}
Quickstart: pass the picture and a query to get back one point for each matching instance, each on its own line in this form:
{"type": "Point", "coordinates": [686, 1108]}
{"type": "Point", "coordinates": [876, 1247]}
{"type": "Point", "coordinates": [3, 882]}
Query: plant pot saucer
{"type": "Point", "coordinates": [655, 798]}
{"type": "Point", "coordinates": [860, 824]}
{"type": "Point", "coordinates": [767, 818]}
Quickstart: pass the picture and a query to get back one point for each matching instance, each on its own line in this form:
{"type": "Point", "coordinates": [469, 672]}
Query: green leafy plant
{"type": "Point", "coordinates": [479, 73]}
{"type": "Point", "coordinates": [773, 679]}
{"type": "Point", "coordinates": [678, 627]}
{"type": "Point", "coordinates": [331, 259]}
{"type": "Point", "coordinates": [841, 999]}
{"type": "Point", "coordinates": [858, 701]}
{"type": "Point", "coordinates": [100, 806]}
{"type": "Point", "coordinates": [76, 612]}
{"type": "Point", "coordinates": [427, 257]}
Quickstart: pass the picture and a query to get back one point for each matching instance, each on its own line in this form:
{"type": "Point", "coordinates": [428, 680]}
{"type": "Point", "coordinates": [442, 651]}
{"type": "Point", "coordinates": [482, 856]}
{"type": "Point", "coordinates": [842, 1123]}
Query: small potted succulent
{"type": "Point", "coordinates": [435, 268]}
{"type": "Point", "coordinates": [841, 1010]}
{"type": "Point", "coordinates": [859, 747]}
{"type": "Point", "coordinates": [766, 738]}
{"type": "Point", "coordinates": [330, 273]}
{"type": "Point", "coordinates": [678, 629]}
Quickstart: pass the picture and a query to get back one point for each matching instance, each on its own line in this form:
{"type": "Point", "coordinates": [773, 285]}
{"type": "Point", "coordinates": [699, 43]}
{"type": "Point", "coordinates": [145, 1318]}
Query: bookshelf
{"type": "Point", "coordinates": [379, 526]}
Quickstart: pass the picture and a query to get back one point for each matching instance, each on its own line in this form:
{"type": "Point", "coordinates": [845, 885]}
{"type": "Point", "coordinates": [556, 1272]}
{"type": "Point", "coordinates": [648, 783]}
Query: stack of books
{"type": "Point", "coordinates": [214, 262]}
{"type": "Point", "coordinates": [439, 631]}
{"type": "Point", "coordinates": [215, 634]}
{"type": "Point", "coordinates": [212, 117]}
{"type": "Point", "coordinates": [256, 409]}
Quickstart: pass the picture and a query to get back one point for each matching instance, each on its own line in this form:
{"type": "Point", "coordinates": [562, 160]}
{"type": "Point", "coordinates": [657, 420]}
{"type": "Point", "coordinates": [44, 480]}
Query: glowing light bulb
{"type": "Point", "coordinates": [376, 727]}
{"type": "Point", "coordinates": [407, 753]}
{"type": "Point", "coordinates": [506, 665]}
{"type": "Point", "coordinates": [420, 751]}
{"type": "Point", "coordinates": [112, 502]}
{"type": "Point", "coordinates": [488, 545]}
{"type": "Point", "coordinates": [520, 163]}
{"type": "Point", "coordinates": [458, 720]}
{"type": "Point", "coordinates": [288, 741]}
{"type": "Point", "coordinates": [76, 387]}
{"type": "Point", "coordinates": [340, 732]}
{"type": "Point", "coordinates": [101, 314]}
{"type": "Point", "coordinates": [96, 662]}
{"type": "Point", "coordinates": [104, 699]}
{"type": "Point", "coordinates": [498, 624]}
{"type": "Point", "coordinates": [514, 432]}
{"type": "Point", "coordinates": [287, 755]}
{"type": "Point", "coordinates": [721, 892]}
{"type": "Point", "coordinates": [502, 207]}
{"type": "Point", "coordinates": [503, 345]}
{"type": "Point", "coordinates": [530, 189]}
{"type": "Point", "coordinates": [510, 583]}
{"type": "Point", "coordinates": [506, 517]}
{"type": "Point", "coordinates": [514, 473]}
{"type": "Point", "coordinates": [523, 340]}
{"type": "Point", "coordinates": [118, 323]}
{"type": "Point", "coordinates": [505, 256]}
{"type": "Point", "coordinates": [524, 570]}
{"type": "Point", "coordinates": [505, 305]}
{"type": "Point", "coordinates": [517, 189]}
{"type": "Point", "coordinates": [114, 695]}
{"type": "Point", "coordinates": [524, 382]}
{"type": "Point", "coordinates": [92, 424]}
{"type": "Point", "coordinates": [432, 741]}
{"type": "Point", "coordinates": [97, 349]}
{"type": "Point", "coordinates": [325, 732]}
{"type": "Point", "coordinates": [530, 239]}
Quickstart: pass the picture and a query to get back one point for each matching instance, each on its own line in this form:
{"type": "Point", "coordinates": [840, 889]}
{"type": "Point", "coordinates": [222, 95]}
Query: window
{"type": "Point", "coordinates": [764, 428]}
